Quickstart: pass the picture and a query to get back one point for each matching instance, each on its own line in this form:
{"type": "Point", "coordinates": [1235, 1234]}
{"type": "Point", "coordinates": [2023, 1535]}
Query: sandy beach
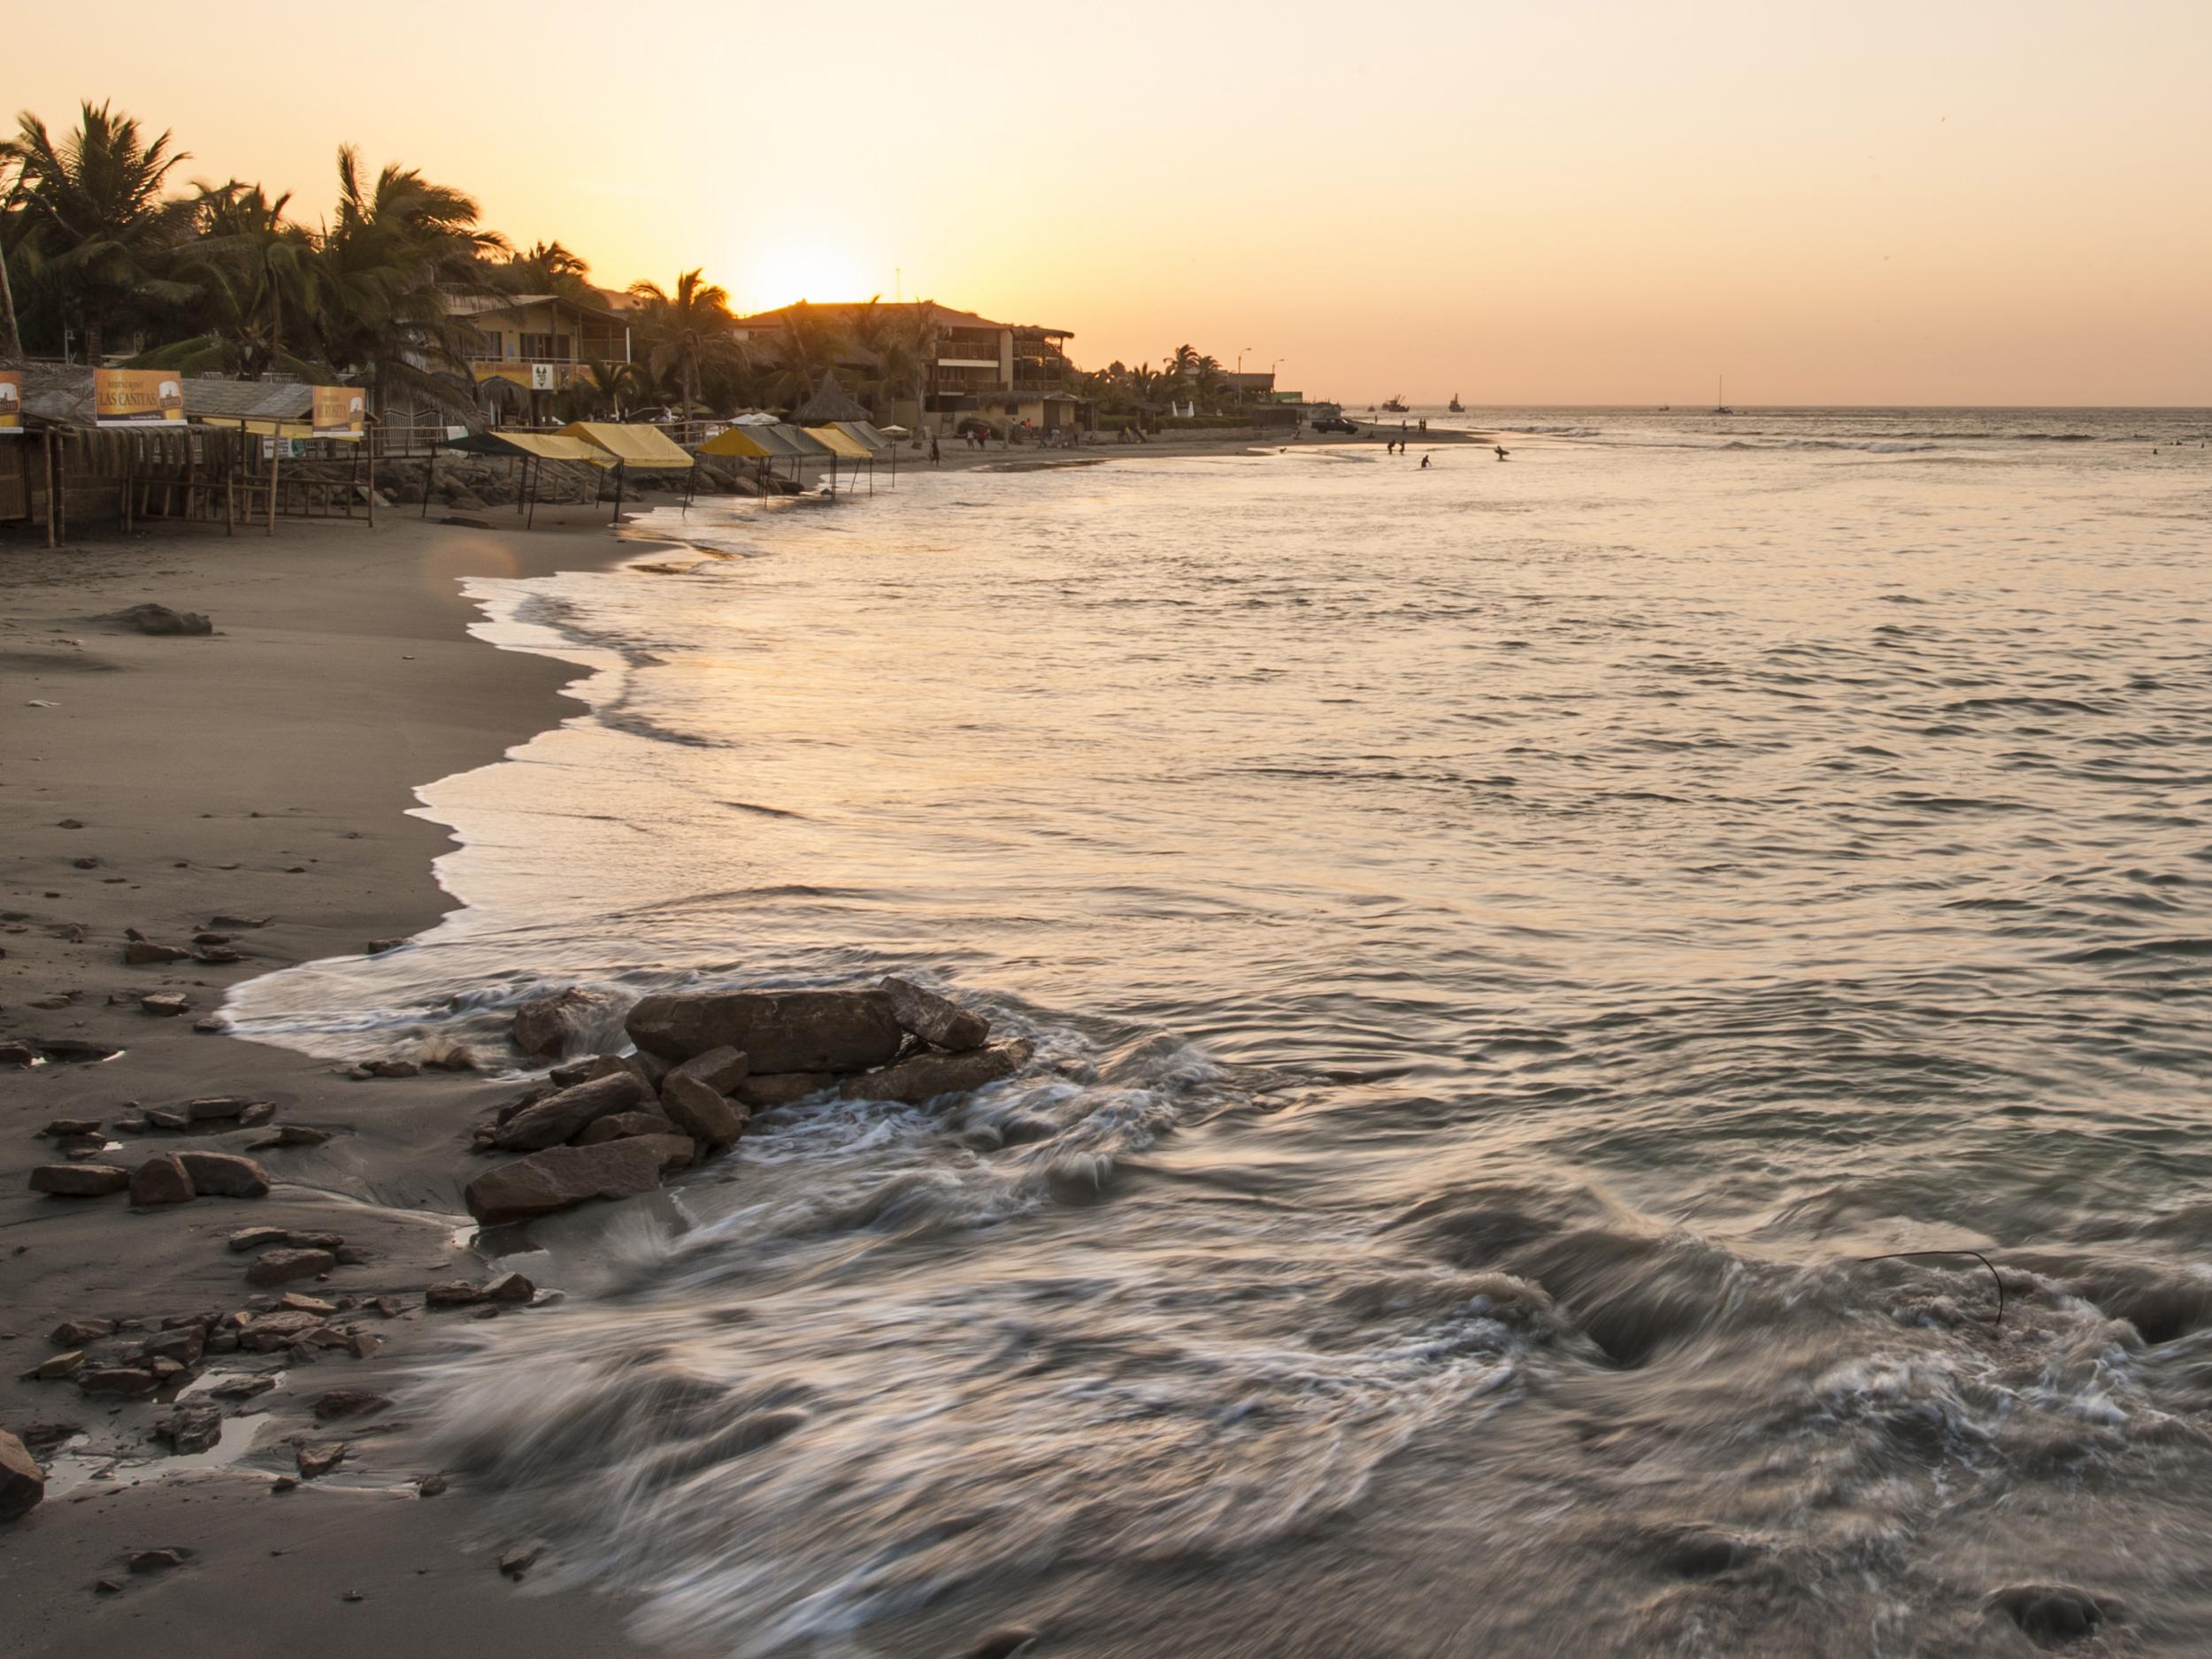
{"type": "Point", "coordinates": [263, 771]}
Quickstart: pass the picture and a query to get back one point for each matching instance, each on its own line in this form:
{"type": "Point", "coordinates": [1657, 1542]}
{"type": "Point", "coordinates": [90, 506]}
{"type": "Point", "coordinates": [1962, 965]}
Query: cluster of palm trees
{"type": "Point", "coordinates": [1184, 375]}
{"type": "Point", "coordinates": [102, 253]}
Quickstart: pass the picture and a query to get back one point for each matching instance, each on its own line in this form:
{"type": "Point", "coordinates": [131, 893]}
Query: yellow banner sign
{"type": "Point", "coordinates": [339, 411]}
{"type": "Point", "coordinates": [10, 403]}
{"type": "Point", "coordinates": [137, 397]}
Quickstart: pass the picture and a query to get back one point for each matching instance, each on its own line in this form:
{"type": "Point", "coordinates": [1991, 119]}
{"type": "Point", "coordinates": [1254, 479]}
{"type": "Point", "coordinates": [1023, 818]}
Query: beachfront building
{"type": "Point", "coordinates": [969, 366]}
{"type": "Point", "coordinates": [529, 345]}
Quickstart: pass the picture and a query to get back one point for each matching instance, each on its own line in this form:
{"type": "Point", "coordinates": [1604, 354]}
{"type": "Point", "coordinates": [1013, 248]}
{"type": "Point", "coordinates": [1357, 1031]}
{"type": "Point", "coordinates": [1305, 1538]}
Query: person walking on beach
{"type": "Point", "coordinates": [934, 457]}
{"type": "Point", "coordinates": [1502, 451]}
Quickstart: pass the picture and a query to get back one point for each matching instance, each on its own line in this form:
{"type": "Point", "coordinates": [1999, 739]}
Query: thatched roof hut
{"type": "Point", "coordinates": [829, 402]}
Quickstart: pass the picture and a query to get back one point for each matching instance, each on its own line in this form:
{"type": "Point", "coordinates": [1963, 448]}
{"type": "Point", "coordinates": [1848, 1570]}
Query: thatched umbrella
{"type": "Point", "coordinates": [829, 402]}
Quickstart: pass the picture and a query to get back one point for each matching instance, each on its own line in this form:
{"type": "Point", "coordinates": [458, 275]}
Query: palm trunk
{"type": "Point", "coordinates": [11, 337]}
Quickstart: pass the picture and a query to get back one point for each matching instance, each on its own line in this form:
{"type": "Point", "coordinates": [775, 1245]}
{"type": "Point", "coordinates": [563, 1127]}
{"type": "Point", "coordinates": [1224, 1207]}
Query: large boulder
{"type": "Point", "coordinates": [22, 1482]}
{"type": "Point", "coordinates": [224, 1174]}
{"type": "Point", "coordinates": [78, 1180]}
{"type": "Point", "coordinates": [923, 1077]}
{"type": "Point", "coordinates": [162, 1180]}
{"type": "Point", "coordinates": [701, 1112]}
{"type": "Point", "coordinates": [559, 1117]}
{"type": "Point", "coordinates": [764, 1090]}
{"type": "Point", "coordinates": [560, 1177]}
{"type": "Point", "coordinates": [721, 1070]}
{"type": "Point", "coordinates": [556, 1023]}
{"type": "Point", "coordinates": [777, 1030]}
{"type": "Point", "coordinates": [623, 1127]}
{"type": "Point", "coordinates": [935, 1019]}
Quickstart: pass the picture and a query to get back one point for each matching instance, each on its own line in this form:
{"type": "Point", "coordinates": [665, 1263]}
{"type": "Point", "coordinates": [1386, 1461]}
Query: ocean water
{"type": "Point", "coordinates": [1505, 944]}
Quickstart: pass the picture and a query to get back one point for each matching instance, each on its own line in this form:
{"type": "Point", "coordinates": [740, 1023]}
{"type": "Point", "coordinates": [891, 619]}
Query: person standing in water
{"type": "Point", "coordinates": [1502, 451]}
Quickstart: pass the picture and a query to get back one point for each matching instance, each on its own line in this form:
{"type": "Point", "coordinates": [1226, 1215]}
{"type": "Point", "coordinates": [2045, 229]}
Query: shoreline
{"type": "Point", "coordinates": [269, 770]}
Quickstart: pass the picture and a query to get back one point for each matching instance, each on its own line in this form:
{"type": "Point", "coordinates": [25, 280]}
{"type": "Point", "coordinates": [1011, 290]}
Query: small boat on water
{"type": "Point", "coordinates": [1720, 396]}
{"type": "Point", "coordinates": [1396, 405]}
{"type": "Point", "coordinates": [1456, 406]}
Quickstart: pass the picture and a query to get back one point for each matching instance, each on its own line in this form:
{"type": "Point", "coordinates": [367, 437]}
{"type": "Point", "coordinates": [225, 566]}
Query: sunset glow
{"type": "Point", "coordinates": [1861, 204]}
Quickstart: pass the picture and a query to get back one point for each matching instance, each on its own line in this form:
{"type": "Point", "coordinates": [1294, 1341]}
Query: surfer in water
{"type": "Point", "coordinates": [1424, 464]}
{"type": "Point", "coordinates": [1502, 450]}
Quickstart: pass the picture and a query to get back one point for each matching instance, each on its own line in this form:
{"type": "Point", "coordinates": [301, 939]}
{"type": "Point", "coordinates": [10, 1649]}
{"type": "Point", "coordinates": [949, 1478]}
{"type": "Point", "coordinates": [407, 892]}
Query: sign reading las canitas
{"type": "Point", "coordinates": [137, 397]}
{"type": "Point", "coordinates": [338, 412]}
{"type": "Point", "coordinates": [10, 403]}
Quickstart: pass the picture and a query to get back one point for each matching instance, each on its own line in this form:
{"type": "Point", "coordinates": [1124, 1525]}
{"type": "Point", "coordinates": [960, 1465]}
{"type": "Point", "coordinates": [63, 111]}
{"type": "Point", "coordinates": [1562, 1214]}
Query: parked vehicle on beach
{"type": "Point", "coordinates": [1329, 417]}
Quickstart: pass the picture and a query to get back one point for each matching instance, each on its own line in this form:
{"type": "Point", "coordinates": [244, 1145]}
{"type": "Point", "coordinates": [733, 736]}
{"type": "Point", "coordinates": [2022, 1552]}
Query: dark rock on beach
{"type": "Point", "coordinates": [700, 1112]}
{"type": "Point", "coordinates": [721, 1070]}
{"type": "Point", "coordinates": [924, 1077]}
{"type": "Point", "coordinates": [764, 1091]}
{"type": "Point", "coordinates": [623, 1126]}
{"type": "Point", "coordinates": [22, 1482]}
{"type": "Point", "coordinates": [224, 1174]}
{"type": "Point", "coordinates": [779, 1031]}
{"type": "Point", "coordinates": [139, 953]}
{"type": "Point", "coordinates": [936, 1020]}
{"type": "Point", "coordinates": [2051, 1614]}
{"type": "Point", "coordinates": [191, 1427]}
{"type": "Point", "coordinates": [128, 1382]}
{"type": "Point", "coordinates": [560, 1177]}
{"type": "Point", "coordinates": [560, 1022]}
{"type": "Point", "coordinates": [162, 1180]}
{"type": "Point", "coordinates": [160, 619]}
{"type": "Point", "coordinates": [560, 1116]}
{"type": "Point", "coordinates": [280, 1267]}
{"type": "Point", "coordinates": [78, 1180]}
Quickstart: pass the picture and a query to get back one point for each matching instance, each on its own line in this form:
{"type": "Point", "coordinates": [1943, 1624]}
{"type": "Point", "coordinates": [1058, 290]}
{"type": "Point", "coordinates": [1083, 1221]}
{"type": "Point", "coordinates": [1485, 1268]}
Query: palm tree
{"type": "Point", "coordinates": [386, 265]}
{"type": "Point", "coordinates": [1212, 382]}
{"type": "Point", "coordinates": [251, 273]}
{"type": "Point", "coordinates": [606, 387]}
{"type": "Point", "coordinates": [10, 215]}
{"type": "Point", "coordinates": [548, 268]}
{"type": "Point", "coordinates": [97, 218]}
{"type": "Point", "coordinates": [685, 332]}
{"type": "Point", "coordinates": [807, 350]}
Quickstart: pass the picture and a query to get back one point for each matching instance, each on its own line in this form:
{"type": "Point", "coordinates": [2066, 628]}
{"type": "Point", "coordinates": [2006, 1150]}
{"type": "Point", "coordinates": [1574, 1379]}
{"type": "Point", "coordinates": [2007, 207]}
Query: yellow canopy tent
{"type": "Point", "coordinates": [840, 442]}
{"type": "Point", "coordinates": [557, 446]}
{"type": "Point", "coordinates": [642, 446]}
{"type": "Point", "coordinates": [645, 448]}
{"type": "Point", "coordinates": [768, 443]}
{"type": "Point", "coordinates": [751, 444]}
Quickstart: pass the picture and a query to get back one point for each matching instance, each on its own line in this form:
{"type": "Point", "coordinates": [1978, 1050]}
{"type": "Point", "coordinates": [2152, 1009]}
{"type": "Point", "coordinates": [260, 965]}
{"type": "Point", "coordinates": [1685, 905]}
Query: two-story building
{"type": "Point", "coordinates": [973, 367]}
{"type": "Point", "coordinates": [539, 342]}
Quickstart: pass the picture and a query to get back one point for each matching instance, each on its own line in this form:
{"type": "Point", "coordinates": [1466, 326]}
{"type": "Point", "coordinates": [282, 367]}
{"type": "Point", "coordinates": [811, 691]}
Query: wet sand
{"type": "Point", "coordinates": [266, 771]}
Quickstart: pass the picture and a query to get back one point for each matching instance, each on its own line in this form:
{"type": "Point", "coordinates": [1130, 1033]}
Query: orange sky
{"type": "Point", "coordinates": [1947, 201]}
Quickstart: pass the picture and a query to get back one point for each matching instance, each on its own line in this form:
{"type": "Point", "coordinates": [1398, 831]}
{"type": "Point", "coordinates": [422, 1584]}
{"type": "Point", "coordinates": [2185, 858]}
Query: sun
{"type": "Point", "coordinates": [780, 273]}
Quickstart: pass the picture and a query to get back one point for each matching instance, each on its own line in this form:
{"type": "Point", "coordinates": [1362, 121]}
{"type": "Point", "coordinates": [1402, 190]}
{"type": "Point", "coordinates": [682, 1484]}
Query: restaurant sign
{"type": "Point", "coordinates": [10, 403]}
{"type": "Point", "coordinates": [338, 412]}
{"type": "Point", "coordinates": [137, 397]}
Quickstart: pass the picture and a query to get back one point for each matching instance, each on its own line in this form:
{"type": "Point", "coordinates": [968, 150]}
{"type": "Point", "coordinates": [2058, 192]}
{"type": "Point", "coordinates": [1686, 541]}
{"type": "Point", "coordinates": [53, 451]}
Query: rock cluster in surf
{"type": "Point", "coordinates": [613, 1125]}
